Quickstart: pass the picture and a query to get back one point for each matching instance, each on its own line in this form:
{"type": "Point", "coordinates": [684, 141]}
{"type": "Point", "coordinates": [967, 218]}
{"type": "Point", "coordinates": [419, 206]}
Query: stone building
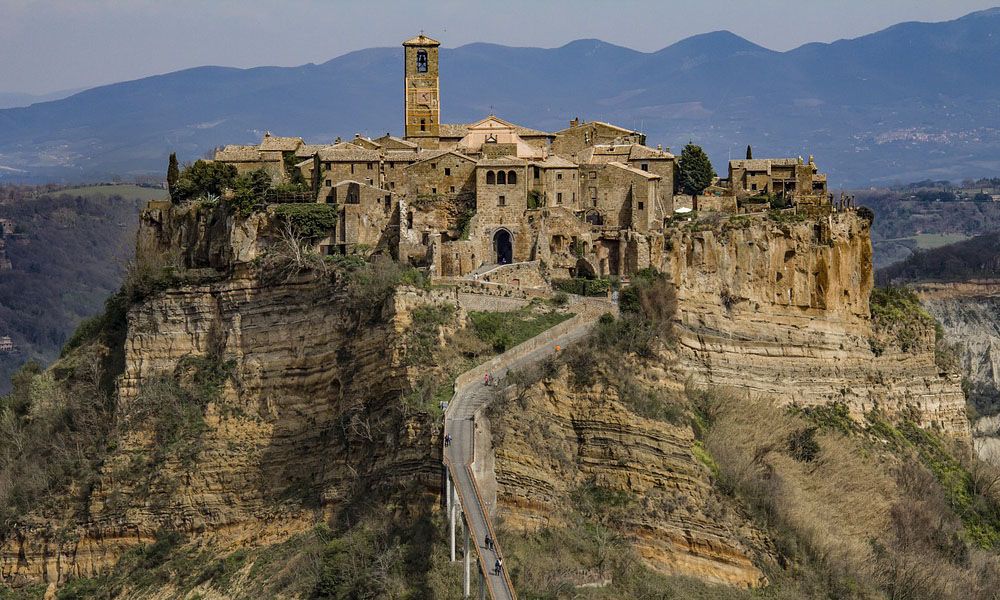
{"type": "Point", "coordinates": [788, 178]}
{"type": "Point", "coordinates": [459, 199]}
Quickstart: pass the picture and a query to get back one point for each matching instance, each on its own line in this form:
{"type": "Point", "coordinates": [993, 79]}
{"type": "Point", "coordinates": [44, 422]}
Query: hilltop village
{"type": "Point", "coordinates": [590, 200]}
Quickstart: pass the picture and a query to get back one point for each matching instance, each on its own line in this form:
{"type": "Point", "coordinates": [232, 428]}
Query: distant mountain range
{"type": "Point", "coordinates": [18, 99]}
{"type": "Point", "coordinates": [912, 101]}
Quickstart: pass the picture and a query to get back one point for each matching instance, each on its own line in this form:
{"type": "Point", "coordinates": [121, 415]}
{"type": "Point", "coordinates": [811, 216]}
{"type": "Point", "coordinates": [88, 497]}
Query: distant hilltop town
{"type": "Point", "coordinates": [590, 200]}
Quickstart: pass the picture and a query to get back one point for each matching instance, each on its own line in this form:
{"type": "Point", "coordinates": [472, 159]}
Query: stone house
{"type": "Point", "coordinates": [789, 178]}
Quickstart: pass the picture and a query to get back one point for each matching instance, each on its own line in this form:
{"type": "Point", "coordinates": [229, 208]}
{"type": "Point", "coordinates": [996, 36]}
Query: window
{"type": "Point", "coordinates": [434, 165]}
{"type": "Point", "coordinates": [434, 190]}
{"type": "Point", "coordinates": [409, 220]}
{"type": "Point", "coordinates": [392, 165]}
{"type": "Point", "coordinates": [537, 172]}
{"type": "Point", "coordinates": [421, 61]}
{"type": "Point", "coordinates": [502, 201]}
{"type": "Point", "coordinates": [594, 201]}
{"type": "Point", "coordinates": [369, 181]}
{"type": "Point", "coordinates": [392, 185]}
{"type": "Point", "coordinates": [447, 172]}
{"type": "Point", "coordinates": [423, 124]}
{"type": "Point", "coordinates": [593, 174]}
{"type": "Point", "coordinates": [328, 183]}
{"type": "Point", "coordinates": [451, 189]}
{"type": "Point", "coordinates": [511, 177]}
{"type": "Point", "coordinates": [593, 192]}
{"type": "Point", "coordinates": [640, 206]}
{"type": "Point", "coordinates": [388, 203]}
{"type": "Point", "coordinates": [753, 186]}
{"type": "Point", "coordinates": [558, 175]}
{"type": "Point", "coordinates": [352, 168]}
{"type": "Point", "coordinates": [644, 166]}
{"type": "Point", "coordinates": [491, 177]}
{"type": "Point", "coordinates": [369, 166]}
{"type": "Point", "coordinates": [574, 198]}
{"type": "Point", "coordinates": [501, 178]}
{"type": "Point", "coordinates": [558, 197]}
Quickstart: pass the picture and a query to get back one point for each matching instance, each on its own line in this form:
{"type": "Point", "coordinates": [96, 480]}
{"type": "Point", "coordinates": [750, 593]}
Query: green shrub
{"type": "Point", "coordinates": [897, 311]}
{"type": "Point", "coordinates": [203, 178]}
{"type": "Point", "coordinates": [583, 286]}
{"type": "Point", "coordinates": [535, 199]}
{"type": "Point", "coordinates": [504, 330]}
{"type": "Point", "coordinates": [308, 220]}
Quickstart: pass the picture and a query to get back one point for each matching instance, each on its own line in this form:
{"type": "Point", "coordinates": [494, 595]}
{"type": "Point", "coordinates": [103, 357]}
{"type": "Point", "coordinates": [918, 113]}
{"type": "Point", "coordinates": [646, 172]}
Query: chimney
{"type": "Point", "coordinates": [575, 122]}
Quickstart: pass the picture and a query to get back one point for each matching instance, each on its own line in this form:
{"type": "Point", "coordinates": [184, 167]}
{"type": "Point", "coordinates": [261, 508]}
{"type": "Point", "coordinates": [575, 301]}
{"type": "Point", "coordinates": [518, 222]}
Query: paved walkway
{"type": "Point", "coordinates": [471, 396]}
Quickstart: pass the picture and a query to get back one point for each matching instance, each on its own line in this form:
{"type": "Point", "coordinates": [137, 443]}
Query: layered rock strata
{"type": "Point", "coordinates": [781, 310]}
{"type": "Point", "coordinates": [557, 438]}
{"type": "Point", "coordinates": [309, 415]}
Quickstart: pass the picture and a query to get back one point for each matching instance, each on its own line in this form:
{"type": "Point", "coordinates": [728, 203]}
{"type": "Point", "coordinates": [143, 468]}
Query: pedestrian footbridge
{"type": "Point", "coordinates": [464, 499]}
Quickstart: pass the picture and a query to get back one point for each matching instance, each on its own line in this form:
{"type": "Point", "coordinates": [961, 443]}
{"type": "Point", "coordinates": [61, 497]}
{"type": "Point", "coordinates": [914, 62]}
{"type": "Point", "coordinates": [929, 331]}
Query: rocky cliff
{"type": "Point", "coordinates": [780, 309]}
{"type": "Point", "coordinates": [300, 382]}
{"type": "Point", "coordinates": [969, 313]}
{"type": "Point", "coordinates": [560, 437]}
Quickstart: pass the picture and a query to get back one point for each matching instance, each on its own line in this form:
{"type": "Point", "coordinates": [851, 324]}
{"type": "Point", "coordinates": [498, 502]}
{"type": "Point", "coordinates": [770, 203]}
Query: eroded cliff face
{"type": "Point", "coordinates": [307, 415]}
{"type": "Point", "coordinates": [969, 313]}
{"type": "Point", "coordinates": [559, 436]}
{"type": "Point", "coordinates": [781, 310]}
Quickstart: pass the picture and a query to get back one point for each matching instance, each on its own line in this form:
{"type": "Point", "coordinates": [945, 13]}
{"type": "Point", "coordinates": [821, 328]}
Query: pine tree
{"type": "Point", "coordinates": [173, 172]}
{"type": "Point", "coordinates": [695, 172]}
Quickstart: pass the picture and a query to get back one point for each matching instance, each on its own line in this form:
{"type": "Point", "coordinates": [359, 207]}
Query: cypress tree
{"type": "Point", "coordinates": [695, 172]}
{"type": "Point", "coordinates": [749, 152]}
{"type": "Point", "coordinates": [173, 172]}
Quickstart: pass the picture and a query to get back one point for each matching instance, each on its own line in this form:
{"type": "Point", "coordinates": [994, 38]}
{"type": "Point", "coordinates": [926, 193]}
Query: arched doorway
{"type": "Point", "coordinates": [503, 247]}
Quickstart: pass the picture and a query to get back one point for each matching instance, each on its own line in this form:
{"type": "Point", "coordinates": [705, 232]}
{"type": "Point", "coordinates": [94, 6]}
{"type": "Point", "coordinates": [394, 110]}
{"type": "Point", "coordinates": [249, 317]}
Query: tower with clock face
{"type": "Point", "coordinates": [422, 110]}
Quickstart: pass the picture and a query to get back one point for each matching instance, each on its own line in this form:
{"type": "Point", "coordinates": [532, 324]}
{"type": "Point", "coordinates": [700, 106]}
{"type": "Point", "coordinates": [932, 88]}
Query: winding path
{"type": "Point", "coordinates": [470, 398]}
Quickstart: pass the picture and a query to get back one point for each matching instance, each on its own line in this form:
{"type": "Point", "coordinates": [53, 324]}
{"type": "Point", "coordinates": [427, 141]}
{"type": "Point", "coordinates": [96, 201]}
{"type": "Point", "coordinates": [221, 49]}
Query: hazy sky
{"type": "Point", "coordinates": [49, 45]}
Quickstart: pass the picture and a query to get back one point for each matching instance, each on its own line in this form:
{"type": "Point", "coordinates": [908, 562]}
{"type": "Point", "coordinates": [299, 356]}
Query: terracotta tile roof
{"type": "Point", "coordinates": [347, 152]}
{"type": "Point", "coordinates": [762, 164]}
{"type": "Point", "coordinates": [557, 162]}
{"type": "Point", "coordinates": [391, 142]}
{"type": "Point", "coordinates": [308, 150]}
{"type": "Point", "coordinates": [633, 170]}
{"type": "Point", "coordinates": [280, 144]}
{"type": "Point", "coordinates": [602, 123]}
{"type": "Point", "coordinates": [401, 156]}
{"type": "Point", "coordinates": [427, 155]}
{"type": "Point", "coordinates": [237, 153]}
{"type": "Point", "coordinates": [421, 40]}
{"type": "Point", "coordinates": [640, 152]}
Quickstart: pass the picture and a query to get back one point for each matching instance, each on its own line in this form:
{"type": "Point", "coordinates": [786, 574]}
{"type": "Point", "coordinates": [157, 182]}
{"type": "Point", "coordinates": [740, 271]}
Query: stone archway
{"type": "Point", "coordinates": [503, 247]}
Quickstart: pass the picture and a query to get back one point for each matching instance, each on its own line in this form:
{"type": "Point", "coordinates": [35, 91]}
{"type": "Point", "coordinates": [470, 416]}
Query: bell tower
{"type": "Point", "coordinates": [422, 111]}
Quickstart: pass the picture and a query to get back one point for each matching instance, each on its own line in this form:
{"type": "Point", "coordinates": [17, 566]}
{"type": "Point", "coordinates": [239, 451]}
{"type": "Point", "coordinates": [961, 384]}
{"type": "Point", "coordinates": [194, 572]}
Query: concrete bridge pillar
{"type": "Point", "coordinates": [451, 520]}
{"type": "Point", "coordinates": [468, 562]}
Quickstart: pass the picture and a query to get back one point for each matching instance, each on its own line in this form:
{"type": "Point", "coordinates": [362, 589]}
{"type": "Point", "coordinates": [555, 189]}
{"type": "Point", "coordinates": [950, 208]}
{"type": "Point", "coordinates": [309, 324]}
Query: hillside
{"type": "Point", "coordinates": [67, 255]}
{"type": "Point", "coordinates": [905, 224]}
{"type": "Point", "coordinates": [974, 259]}
{"type": "Point", "coordinates": [897, 105]}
